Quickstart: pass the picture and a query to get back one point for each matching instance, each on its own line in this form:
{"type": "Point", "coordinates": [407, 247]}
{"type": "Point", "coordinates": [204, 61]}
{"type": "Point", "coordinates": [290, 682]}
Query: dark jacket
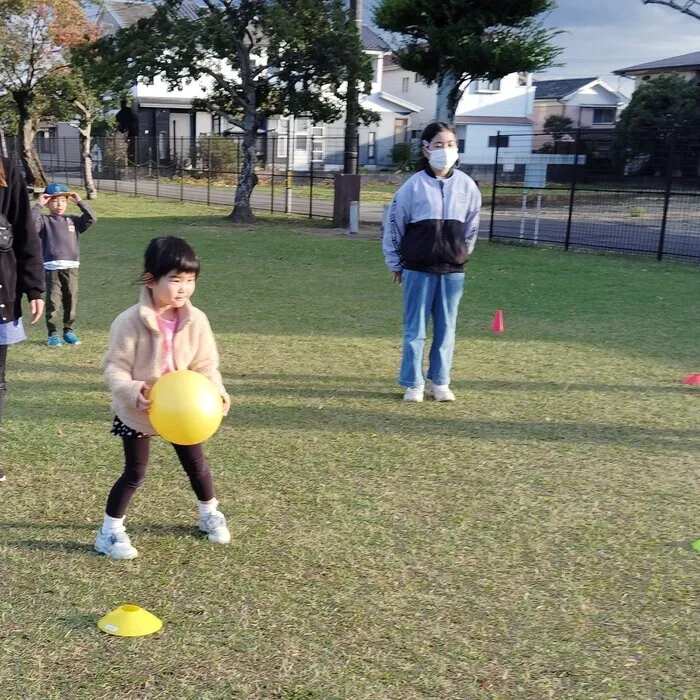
{"type": "Point", "coordinates": [432, 224]}
{"type": "Point", "coordinates": [21, 269]}
{"type": "Point", "coordinates": [59, 234]}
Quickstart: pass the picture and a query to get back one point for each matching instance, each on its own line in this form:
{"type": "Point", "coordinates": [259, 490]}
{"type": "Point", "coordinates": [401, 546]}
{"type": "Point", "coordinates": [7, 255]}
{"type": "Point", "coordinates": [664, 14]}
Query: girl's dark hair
{"type": "Point", "coordinates": [429, 133]}
{"type": "Point", "coordinates": [167, 253]}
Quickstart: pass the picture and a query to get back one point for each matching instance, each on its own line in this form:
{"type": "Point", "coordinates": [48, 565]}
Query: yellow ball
{"type": "Point", "coordinates": [186, 407]}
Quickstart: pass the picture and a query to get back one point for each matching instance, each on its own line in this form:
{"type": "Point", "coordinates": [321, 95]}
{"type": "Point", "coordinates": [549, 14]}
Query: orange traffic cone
{"type": "Point", "coordinates": [498, 326]}
{"type": "Point", "coordinates": [691, 379]}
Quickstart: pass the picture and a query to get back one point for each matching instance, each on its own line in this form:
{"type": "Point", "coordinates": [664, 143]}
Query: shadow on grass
{"type": "Point", "coordinates": [404, 424]}
{"type": "Point", "coordinates": [52, 546]}
{"type": "Point", "coordinates": [248, 382]}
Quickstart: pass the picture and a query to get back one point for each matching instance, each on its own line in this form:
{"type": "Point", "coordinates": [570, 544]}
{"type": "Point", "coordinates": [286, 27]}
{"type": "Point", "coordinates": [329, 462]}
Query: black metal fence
{"type": "Point", "coordinates": [294, 175]}
{"type": "Point", "coordinates": [594, 190]}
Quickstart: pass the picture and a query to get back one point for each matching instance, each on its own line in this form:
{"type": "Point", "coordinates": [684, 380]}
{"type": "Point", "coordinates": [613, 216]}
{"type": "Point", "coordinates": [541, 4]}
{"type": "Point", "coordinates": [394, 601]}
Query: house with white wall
{"type": "Point", "coordinates": [167, 128]}
{"type": "Point", "coordinates": [490, 115]}
{"type": "Point", "coordinates": [323, 145]}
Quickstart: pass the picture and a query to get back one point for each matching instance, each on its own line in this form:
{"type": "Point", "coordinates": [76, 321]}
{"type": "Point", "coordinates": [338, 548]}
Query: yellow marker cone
{"type": "Point", "coordinates": [130, 621]}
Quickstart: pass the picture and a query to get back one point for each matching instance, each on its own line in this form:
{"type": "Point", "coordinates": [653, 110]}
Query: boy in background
{"type": "Point", "coordinates": [61, 248]}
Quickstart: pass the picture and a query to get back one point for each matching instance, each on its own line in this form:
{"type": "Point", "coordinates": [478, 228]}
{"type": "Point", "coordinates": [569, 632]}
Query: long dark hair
{"type": "Point", "coordinates": [429, 133]}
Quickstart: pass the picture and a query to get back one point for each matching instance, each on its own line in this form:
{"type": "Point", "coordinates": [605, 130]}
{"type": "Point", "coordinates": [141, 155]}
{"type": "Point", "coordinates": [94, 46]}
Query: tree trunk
{"type": "Point", "coordinates": [28, 128]}
{"type": "Point", "coordinates": [3, 144]}
{"type": "Point", "coordinates": [242, 213]}
{"type": "Point", "coordinates": [85, 132]}
{"type": "Point", "coordinates": [449, 94]}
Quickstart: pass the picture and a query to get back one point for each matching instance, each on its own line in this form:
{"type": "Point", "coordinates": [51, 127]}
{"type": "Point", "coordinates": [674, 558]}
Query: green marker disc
{"type": "Point", "coordinates": [696, 545]}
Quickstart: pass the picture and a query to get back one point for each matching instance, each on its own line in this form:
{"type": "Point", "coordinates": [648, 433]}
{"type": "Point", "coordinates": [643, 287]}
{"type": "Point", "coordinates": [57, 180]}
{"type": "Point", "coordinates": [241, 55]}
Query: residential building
{"type": "Point", "coordinates": [591, 104]}
{"type": "Point", "coordinates": [168, 129]}
{"type": "Point", "coordinates": [687, 66]}
{"type": "Point", "coordinates": [490, 114]}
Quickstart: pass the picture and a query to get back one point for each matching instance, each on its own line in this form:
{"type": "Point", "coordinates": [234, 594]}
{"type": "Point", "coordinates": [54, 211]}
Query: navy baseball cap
{"type": "Point", "coordinates": [55, 189]}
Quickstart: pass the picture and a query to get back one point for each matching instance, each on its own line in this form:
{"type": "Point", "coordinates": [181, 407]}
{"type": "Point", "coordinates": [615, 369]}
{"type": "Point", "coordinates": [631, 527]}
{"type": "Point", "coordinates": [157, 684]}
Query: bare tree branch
{"type": "Point", "coordinates": [687, 7]}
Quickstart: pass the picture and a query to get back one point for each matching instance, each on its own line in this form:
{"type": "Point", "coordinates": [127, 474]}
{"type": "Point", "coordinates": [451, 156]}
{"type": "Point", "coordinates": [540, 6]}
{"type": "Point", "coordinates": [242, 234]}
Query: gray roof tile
{"type": "Point", "coordinates": [556, 89]}
{"type": "Point", "coordinates": [687, 60]}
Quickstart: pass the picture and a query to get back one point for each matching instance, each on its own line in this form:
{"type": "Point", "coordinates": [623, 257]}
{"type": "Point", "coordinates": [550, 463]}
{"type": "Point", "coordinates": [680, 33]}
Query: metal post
{"type": "Point", "coordinates": [209, 171]}
{"type": "Point", "coordinates": [572, 193]}
{"type": "Point", "coordinates": [667, 196]}
{"type": "Point", "coordinates": [290, 165]}
{"type": "Point", "coordinates": [494, 185]}
{"type": "Point", "coordinates": [311, 180]}
{"type": "Point", "coordinates": [157, 138]}
{"type": "Point", "coordinates": [65, 161]}
{"type": "Point", "coordinates": [354, 217]}
{"type": "Point", "coordinates": [272, 176]}
{"type": "Point", "coordinates": [182, 170]}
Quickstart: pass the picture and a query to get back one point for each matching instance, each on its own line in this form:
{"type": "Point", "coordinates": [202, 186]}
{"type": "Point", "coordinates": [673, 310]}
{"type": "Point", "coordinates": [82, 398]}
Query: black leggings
{"type": "Point", "coordinates": [136, 451]}
{"type": "Point", "coordinates": [3, 387]}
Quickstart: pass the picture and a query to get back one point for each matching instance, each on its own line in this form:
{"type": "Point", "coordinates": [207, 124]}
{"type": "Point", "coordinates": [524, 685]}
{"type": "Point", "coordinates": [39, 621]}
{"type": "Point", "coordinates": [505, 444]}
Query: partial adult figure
{"type": "Point", "coordinates": [430, 233]}
{"type": "Point", "coordinates": [21, 265]}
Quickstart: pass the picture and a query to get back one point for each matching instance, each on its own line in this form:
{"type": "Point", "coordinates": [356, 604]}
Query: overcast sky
{"type": "Point", "coordinates": [606, 35]}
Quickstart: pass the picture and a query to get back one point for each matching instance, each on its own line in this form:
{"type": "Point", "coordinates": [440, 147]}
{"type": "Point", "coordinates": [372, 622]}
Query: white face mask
{"type": "Point", "coordinates": [443, 158]}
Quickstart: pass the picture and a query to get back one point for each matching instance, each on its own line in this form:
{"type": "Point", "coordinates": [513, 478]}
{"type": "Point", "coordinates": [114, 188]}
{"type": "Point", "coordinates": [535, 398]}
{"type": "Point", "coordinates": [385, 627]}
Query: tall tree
{"type": "Point", "coordinates": [35, 39]}
{"type": "Point", "coordinates": [660, 123]}
{"type": "Point", "coordinates": [454, 42]}
{"type": "Point", "coordinates": [91, 90]}
{"type": "Point", "coordinates": [687, 7]}
{"type": "Point", "coordinates": [261, 58]}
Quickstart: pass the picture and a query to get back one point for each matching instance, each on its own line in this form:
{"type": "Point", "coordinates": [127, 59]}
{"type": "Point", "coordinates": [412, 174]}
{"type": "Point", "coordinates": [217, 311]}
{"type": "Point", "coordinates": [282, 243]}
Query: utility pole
{"type": "Point", "coordinates": [352, 108]}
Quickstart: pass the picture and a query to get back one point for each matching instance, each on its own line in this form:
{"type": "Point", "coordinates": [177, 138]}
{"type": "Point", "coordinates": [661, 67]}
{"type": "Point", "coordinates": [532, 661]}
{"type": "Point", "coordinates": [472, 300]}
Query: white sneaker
{"type": "Point", "coordinates": [215, 527]}
{"type": "Point", "coordinates": [116, 545]}
{"type": "Point", "coordinates": [414, 394]}
{"type": "Point", "coordinates": [441, 392]}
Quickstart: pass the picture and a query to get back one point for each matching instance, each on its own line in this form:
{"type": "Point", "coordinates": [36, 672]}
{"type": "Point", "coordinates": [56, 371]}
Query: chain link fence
{"type": "Point", "coordinates": [293, 175]}
{"type": "Point", "coordinates": [599, 190]}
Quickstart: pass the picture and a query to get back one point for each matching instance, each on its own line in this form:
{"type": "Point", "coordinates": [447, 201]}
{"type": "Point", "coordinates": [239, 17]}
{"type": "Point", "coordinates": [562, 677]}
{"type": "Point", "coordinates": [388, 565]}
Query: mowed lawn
{"type": "Point", "coordinates": [529, 541]}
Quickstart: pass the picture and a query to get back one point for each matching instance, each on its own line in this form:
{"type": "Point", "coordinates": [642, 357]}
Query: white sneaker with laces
{"type": "Point", "coordinates": [115, 545]}
{"type": "Point", "coordinates": [441, 392]}
{"type": "Point", "coordinates": [215, 527]}
{"type": "Point", "coordinates": [414, 394]}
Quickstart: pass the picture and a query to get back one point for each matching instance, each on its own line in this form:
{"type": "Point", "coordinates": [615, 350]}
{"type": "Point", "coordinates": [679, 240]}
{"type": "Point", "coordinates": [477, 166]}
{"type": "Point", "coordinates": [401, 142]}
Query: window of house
{"type": "Point", "coordinates": [47, 140]}
{"type": "Point", "coordinates": [417, 78]}
{"type": "Point", "coordinates": [282, 131]}
{"type": "Point", "coordinates": [499, 141]}
{"type": "Point", "coordinates": [489, 85]}
{"type": "Point", "coordinates": [461, 145]}
{"type": "Point", "coordinates": [400, 130]}
{"type": "Point", "coordinates": [404, 85]}
{"type": "Point", "coordinates": [216, 123]}
{"type": "Point", "coordinates": [371, 145]}
{"type": "Point", "coordinates": [317, 144]}
{"type": "Point", "coordinates": [603, 116]}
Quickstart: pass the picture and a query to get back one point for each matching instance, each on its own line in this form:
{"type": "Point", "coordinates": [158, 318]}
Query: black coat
{"type": "Point", "coordinates": [22, 268]}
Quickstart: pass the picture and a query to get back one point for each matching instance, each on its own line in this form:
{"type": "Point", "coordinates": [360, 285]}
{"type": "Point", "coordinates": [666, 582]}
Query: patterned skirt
{"type": "Point", "coordinates": [124, 431]}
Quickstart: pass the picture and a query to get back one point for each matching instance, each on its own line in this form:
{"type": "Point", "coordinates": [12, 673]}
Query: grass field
{"type": "Point", "coordinates": [529, 541]}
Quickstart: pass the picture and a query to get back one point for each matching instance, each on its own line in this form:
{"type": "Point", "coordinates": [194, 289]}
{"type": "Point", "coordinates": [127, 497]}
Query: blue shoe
{"type": "Point", "coordinates": [54, 341]}
{"type": "Point", "coordinates": [71, 338]}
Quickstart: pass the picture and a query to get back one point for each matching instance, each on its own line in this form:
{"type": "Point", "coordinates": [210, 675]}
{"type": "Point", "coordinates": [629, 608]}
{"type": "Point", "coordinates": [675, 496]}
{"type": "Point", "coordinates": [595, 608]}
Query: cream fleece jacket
{"type": "Point", "coordinates": [134, 355]}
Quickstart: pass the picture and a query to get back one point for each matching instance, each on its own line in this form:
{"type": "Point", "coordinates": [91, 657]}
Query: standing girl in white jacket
{"type": "Point", "coordinates": [432, 230]}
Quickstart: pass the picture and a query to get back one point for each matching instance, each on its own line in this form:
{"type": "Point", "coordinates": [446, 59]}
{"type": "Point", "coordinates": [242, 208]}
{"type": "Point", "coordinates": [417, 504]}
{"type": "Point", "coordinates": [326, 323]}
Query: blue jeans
{"type": "Point", "coordinates": [427, 294]}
